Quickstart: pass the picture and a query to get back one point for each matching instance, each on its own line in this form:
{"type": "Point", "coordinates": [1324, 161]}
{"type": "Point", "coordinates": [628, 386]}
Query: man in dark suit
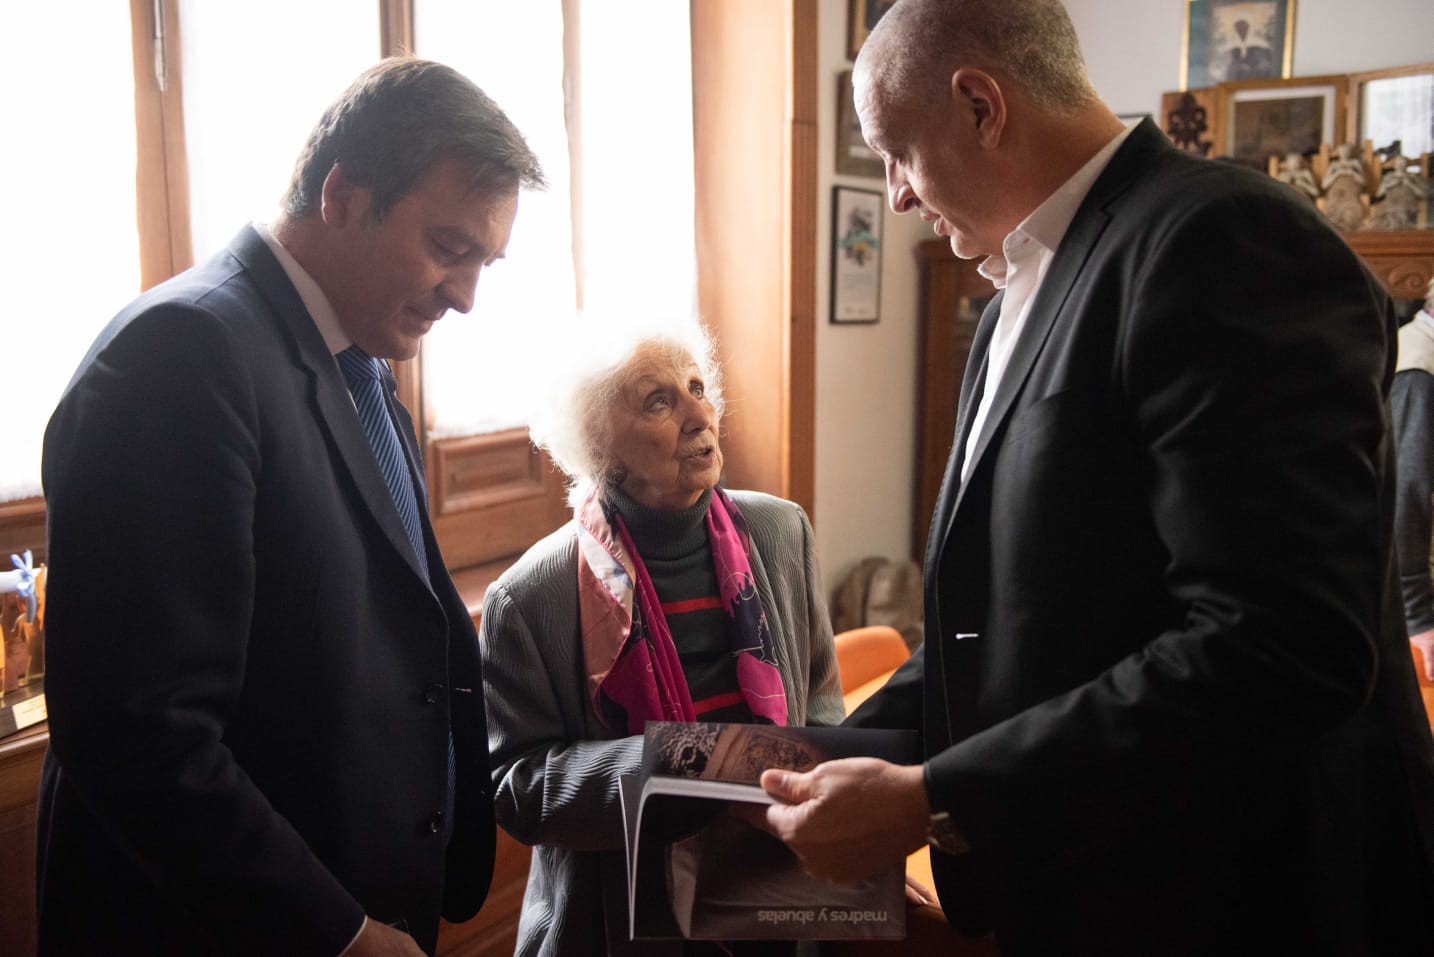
{"type": "Point", "coordinates": [1166, 700]}
{"type": "Point", "coordinates": [265, 697]}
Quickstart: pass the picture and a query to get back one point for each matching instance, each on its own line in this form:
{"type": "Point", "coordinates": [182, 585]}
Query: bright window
{"type": "Point", "coordinates": [474, 366]}
{"type": "Point", "coordinates": [257, 75]}
{"type": "Point", "coordinates": [69, 250]}
{"type": "Point", "coordinates": [623, 209]}
{"type": "Point", "coordinates": [636, 136]}
{"type": "Point", "coordinates": [615, 142]}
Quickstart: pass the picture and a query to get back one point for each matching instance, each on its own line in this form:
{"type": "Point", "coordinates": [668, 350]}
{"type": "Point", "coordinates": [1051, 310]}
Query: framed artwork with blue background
{"type": "Point", "coordinates": [1231, 40]}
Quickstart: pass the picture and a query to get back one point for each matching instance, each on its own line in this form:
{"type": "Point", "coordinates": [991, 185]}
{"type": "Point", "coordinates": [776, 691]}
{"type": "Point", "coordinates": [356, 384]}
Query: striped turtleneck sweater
{"type": "Point", "coordinates": [673, 546]}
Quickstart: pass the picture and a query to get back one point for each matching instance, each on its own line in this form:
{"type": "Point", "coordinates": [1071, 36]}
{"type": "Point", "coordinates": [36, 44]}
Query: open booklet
{"type": "Point", "coordinates": [697, 871]}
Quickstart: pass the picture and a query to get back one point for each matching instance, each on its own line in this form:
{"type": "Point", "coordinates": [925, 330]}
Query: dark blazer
{"type": "Point", "coordinates": [1167, 692]}
{"type": "Point", "coordinates": [250, 681]}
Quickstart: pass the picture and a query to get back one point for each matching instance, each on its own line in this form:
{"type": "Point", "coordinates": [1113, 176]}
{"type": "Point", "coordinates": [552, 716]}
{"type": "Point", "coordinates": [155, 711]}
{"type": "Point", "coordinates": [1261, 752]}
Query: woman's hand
{"type": "Point", "coordinates": [380, 940]}
{"type": "Point", "coordinates": [919, 894]}
{"type": "Point", "coordinates": [1424, 641]}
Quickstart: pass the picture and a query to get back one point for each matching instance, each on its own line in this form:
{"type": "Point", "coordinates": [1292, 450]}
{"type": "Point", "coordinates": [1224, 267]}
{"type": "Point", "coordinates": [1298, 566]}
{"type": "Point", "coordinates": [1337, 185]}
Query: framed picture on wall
{"type": "Point", "coordinates": [1395, 104]}
{"type": "Point", "coordinates": [1230, 40]}
{"type": "Point", "coordinates": [856, 254]}
{"type": "Point", "coordinates": [863, 16]}
{"type": "Point", "coordinates": [1264, 118]}
{"type": "Point", "coordinates": [853, 156]}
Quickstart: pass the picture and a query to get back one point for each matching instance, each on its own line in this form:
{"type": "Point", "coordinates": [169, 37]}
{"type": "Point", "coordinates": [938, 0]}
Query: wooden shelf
{"type": "Point", "coordinates": [21, 756]}
{"type": "Point", "coordinates": [1403, 261]}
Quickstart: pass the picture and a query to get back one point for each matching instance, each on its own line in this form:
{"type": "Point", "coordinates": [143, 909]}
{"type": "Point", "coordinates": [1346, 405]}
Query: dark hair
{"type": "Point", "coordinates": [395, 121]}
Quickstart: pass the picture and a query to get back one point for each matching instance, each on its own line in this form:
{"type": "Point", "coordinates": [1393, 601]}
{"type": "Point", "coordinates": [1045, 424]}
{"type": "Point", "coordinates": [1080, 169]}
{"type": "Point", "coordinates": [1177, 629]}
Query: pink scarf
{"type": "Point", "coordinates": [634, 675]}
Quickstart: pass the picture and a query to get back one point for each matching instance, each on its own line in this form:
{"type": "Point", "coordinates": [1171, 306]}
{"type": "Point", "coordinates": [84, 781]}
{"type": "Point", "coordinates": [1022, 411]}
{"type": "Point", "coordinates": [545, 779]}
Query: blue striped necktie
{"type": "Point", "coordinates": [364, 376]}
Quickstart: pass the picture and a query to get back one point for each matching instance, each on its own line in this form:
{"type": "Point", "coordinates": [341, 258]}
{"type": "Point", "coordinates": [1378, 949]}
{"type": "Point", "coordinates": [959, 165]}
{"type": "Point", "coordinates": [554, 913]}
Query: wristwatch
{"type": "Point", "coordinates": [941, 833]}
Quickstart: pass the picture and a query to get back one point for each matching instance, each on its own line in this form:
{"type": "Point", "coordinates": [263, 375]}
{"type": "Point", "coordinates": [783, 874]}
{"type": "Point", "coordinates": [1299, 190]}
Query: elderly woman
{"type": "Point", "coordinates": [724, 583]}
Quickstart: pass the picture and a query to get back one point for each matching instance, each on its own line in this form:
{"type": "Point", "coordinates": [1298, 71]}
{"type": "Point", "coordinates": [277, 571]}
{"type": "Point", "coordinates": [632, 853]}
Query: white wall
{"type": "Point", "coordinates": [866, 375]}
{"type": "Point", "coordinates": [1132, 47]}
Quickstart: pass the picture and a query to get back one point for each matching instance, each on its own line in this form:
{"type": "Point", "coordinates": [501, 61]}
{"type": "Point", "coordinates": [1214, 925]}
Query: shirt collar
{"type": "Point", "coordinates": [320, 310]}
{"type": "Point", "coordinates": [1045, 227]}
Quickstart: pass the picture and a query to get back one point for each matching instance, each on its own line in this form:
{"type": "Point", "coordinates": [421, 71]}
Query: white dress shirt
{"type": "Point", "coordinates": [1026, 255]}
{"type": "Point", "coordinates": [320, 309]}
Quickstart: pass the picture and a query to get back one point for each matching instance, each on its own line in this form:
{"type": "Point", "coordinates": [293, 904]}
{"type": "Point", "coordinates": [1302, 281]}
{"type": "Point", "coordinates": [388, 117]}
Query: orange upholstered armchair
{"type": "Point", "coordinates": [866, 657]}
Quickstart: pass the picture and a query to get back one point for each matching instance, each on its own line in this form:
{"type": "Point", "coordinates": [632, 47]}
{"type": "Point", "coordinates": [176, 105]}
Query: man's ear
{"type": "Point", "coordinates": [980, 91]}
{"type": "Point", "coordinates": [340, 199]}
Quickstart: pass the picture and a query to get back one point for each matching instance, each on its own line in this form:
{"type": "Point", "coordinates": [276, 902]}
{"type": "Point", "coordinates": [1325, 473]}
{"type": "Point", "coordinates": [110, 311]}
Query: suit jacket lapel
{"type": "Point", "coordinates": [1080, 240]}
{"type": "Point", "coordinates": [1066, 267]}
{"type": "Point", "coordinates": [972, 385]}
{"type": "Point", "coordinates": [333, 406]}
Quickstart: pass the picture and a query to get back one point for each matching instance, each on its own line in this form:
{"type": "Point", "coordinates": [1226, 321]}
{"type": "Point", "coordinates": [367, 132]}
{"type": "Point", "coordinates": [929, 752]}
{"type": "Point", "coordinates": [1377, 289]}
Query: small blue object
{"type": "Point", "coordinates": [26, 586]}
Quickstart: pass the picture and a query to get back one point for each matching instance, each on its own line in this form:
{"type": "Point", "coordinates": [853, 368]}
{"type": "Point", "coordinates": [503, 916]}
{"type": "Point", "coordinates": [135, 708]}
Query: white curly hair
{"type": "Point", "coordinates": [574, 423]}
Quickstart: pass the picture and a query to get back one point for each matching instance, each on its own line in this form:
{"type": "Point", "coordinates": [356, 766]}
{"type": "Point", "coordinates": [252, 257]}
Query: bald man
{"type": "Point", "coordinates": [1166, 696]}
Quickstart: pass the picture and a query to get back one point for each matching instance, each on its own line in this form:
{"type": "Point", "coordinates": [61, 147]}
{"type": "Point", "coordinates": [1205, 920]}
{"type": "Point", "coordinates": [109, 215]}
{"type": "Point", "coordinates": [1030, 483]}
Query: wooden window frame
{"type": "Point", "coordinates": [487, 500]}
{"type": "Point", "coordinates": [754, 95]}
{"type": "Point", "coordinates": [161, 201]}
{"type": "Point", "coordinates": [479, 483]}
{"type": "Point", "coordinates": [490, 496]}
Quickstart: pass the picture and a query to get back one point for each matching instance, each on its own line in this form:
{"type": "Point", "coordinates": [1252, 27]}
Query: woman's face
{"type": "Point", "coordinates": [664, 431]}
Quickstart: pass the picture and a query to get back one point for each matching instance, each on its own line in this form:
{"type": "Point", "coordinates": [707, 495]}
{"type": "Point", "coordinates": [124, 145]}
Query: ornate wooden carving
{"type": "Point", "coordinates": [21, 755]}
{"type": "Point", "coordinates": [491, 496]}
{"type": "Point", "coordinates": [1189, 118]}
{"type": "Point", "coordinates": [1403, 261]}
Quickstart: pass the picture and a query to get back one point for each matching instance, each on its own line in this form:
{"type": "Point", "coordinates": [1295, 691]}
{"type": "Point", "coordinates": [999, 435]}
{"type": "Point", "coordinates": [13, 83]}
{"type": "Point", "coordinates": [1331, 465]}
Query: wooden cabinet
{"type": "Point", "coordinates": [21, 756]}
{"type": "Point", "coordinates": [1403, 261]}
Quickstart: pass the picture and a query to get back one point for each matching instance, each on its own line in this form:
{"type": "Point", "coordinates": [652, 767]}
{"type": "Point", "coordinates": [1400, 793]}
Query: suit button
{"type": "Point", "coordinates": [435, 823]}
{"type": "Point", "coordinates": [433, 694]}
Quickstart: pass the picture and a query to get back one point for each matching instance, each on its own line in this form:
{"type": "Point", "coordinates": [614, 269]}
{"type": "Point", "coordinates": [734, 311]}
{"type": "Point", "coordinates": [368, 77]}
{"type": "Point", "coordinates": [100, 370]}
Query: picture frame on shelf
{"type": "Point", "coordinates": [1393, 104]}
{"type": "Point", "coordinates": [1191, 119]}
{"type": "Point", "coordinates": [856, 236]}
{"type": "Point", "coordinates": [1236, 40]}
{"type": "Point", "coordinates": [862, 17]}
{"type": "Point", "coordinates": [1264, 118]}
{"type": "Point", "coordinates": [853, 156]}
{"type": "Point", "coordinates": [22, 645]}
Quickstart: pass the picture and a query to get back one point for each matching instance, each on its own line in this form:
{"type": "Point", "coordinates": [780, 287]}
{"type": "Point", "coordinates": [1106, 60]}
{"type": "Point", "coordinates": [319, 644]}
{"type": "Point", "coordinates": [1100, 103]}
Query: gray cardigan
{"type": "Point", "coordinates": [1412, 402]}
{"type": "Point", "coordinates": [555, 768]}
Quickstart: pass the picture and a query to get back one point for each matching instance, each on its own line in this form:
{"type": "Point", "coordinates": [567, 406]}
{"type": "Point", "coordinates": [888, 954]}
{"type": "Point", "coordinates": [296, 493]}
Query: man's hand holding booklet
{"type": "Point", "coordinates": [698, 871]}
